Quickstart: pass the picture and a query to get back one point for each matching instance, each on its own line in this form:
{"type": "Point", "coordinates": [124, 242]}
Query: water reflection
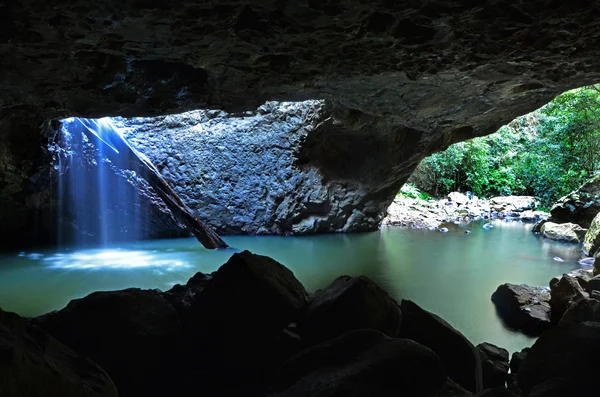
{"type": "Point", "coordinates": [102, 259]}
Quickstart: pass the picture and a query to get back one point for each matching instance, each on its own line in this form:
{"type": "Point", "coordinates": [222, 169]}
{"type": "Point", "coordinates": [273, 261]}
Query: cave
{"type": "Point", "coordinates": [266, 119]}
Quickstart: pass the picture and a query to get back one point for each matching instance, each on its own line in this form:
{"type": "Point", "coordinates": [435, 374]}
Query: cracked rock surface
{"type": "Point", "coordinates": [420, 74]}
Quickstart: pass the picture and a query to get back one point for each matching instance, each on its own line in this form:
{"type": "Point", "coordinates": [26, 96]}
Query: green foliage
{"type": "Point", "coordinates": [547, 153]}
{"type": "Point", "coordinates": [410, 191]}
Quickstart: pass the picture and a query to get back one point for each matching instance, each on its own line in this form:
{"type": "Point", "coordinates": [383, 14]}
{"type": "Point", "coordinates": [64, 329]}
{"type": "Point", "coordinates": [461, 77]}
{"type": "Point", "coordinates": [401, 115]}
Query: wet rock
{"type": "Point", "coordinates": [133, 334]}
{"type": "Point", "coordinates": [494, 365]}
{"type": "Point", "coordinates": [459, 357]}
{"type": "Point", "coordinates": [565, 354]}
{"type": "Point", "coordinates": [524, 307]}
{"type": "Point", "coordinates": [567, 232]}
{"type": "Point", "coordinates": [537, 228]}
{"type": "Point", "coordinates": [580, 206]}
{"type": "Point", "coordinates": [360, 363]}
{"type": "Point", "coordinates": [33, 364]}
{"type": "Point", "coordinates": [581, 310]}
{"type": "Point", "coordinates": [347, 304]}
{"type": "Point", "coordinates": [237, 322]}
{"type": "Point", "coordinates": [563, 293]}
{"type": "Point", "coordinates": [517, 359]}
{"type": "Point", "coordinates": [591, 241]}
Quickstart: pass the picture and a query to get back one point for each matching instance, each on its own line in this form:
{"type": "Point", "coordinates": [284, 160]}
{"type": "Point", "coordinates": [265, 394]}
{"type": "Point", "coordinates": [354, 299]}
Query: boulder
{"type": "Point", "coordinates": [523, 307]}
{"type": "Point", "coordinates": [237, 321]}
{"type": "Point", "coordinates": [567, 232]}
{"type": "Point", "coordinates": [537, 228]}
{"type": "Point", "coordinates": [591, 241]}
{"type": "Point", "coordinates": [568, 354]}
{"type": "Point", "coordinates": [494, 365]}
{"type": "Point", "coordinates": [516, 360]}
{"type": "Point", "coordinates": [580, 206]}
{"type": "Point", "coordinates": [564, 292]}
{"type": "Point", "coordinates": [361, 363]}
{"type": "Point", "coordinates": [347, 304]}
{"type": "Point", "coordinates": [133, 334]}
{"type": "Point", "coordinates": [584, 309]}
{"type": "Point", "coordinates": [458, 198]}
{"type": "Point", "coordinates": [182, 296]}
{"type": "Point", "coordinates": [593, 284]}
{"type": "Point", "coordinates": [514, 203]}
{"type": "Point", "coordinates": [33, 364]}
{"type": "Point", "coordinates": [459, 357]}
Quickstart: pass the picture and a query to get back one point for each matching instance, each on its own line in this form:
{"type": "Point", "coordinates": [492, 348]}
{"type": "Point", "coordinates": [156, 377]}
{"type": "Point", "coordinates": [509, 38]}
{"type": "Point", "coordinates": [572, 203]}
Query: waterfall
{"type": "Point", "coordinates": [99, 201]}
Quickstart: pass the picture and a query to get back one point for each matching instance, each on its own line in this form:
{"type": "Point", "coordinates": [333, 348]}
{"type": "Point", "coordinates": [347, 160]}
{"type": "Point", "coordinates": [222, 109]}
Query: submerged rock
{"type": "Point", "coordinates": [33, 364]}
{"type": "Point", "coordinates": [347, 304]}
{"type": "Point", "coordinates": [567, 355]}
{"type": "Point", "coordinates": [567, 232]}
{"type": "Point", "coordinates": [524, 307]}
{"type": "Point", "coordinates": [361, 363]}
{"type": "Point", "coordinates": [133, 334]}
{"type": "Point", "coordinates": [459, 357]}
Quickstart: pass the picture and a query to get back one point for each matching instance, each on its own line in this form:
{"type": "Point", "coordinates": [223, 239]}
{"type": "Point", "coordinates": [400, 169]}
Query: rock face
{"type": "Point", "coordinates": [567, 232]}
{"type": "Point", "coordinates": [403, 80]}
{"type": "Point", "coordinates": [580, 206]}
{"type": "Point", "coordinates": [524, 307]}
{"type": "Point", "coordinates": [565, 354]}
{"type": "Point", "coordinates": [237, 324]}
{"type": "Point", "coordinates": [133, 334]}
{"type": "Point", "coordinates": [582, 310]}
{"type": "Point", "coordinates": [460, 358]}
{"type": "Point", "coordinates": [347, 304]}
{"type": "Point", "coordinates": [360, 363]}
{"type": "Point", "coordinates": [252, 173]}
{"type": "Point", "coordinates": [33, 364]}
{"type": "Point", "coordinates": [563, 293]}
{"type": "Point", "coordinates": [591, 241]}
{"type": "Point", "coordinates": [494, 365]}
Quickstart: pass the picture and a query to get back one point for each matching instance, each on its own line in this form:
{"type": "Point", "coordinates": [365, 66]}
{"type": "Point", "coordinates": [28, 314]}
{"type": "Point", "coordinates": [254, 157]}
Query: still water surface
{"type": "Point", "coordinates": [451, 274]}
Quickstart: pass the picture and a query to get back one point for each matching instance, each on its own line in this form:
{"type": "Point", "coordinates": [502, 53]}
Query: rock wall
{"type": "Point", "coordinates": [417, 75]}
{"type": "Point", "coordinates": [267, 172]}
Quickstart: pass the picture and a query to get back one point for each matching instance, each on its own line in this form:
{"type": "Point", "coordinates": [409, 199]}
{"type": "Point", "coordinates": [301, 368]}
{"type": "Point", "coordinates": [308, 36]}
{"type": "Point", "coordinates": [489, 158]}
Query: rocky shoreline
{"type": "Point", "coordinates": [460, 208]}
{"type": "Point", "coordinates": [251, 329]}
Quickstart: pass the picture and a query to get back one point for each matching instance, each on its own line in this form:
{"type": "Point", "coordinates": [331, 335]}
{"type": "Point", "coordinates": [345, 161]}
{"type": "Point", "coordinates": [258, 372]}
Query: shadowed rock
{"type": "Point", "coordinates": [133, 334]}
{"type": "Point", "coordinates": [33, 364]}
{"type": "Point", "coordinates": [523, 307]}
{"type": "Point", "coordinates": [459, 357]}
{"type": "Point", "coordinates": [563, 293]}
{"type": "Point", "coordinates": [347, 304]}
{"type": "Point", "coordinates": [361, 363]}
{"type": "Point", "coordinates": [494, 365]}
{"type": "Point", "coordinates": [564, 354]}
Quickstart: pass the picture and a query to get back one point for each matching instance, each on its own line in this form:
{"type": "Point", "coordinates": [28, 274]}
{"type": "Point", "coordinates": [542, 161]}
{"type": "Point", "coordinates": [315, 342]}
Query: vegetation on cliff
{"type": "Point", "coordinates": [546, 153]}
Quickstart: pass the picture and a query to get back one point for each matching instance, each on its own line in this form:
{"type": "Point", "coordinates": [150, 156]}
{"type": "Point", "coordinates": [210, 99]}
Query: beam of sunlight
{"type": "Point", "coordinates": [112, 259]}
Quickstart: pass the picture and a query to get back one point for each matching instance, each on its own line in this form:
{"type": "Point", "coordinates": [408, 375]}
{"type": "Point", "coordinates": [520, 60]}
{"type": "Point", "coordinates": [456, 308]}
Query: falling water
{"type": "Point", "coordinates": [99, 200]}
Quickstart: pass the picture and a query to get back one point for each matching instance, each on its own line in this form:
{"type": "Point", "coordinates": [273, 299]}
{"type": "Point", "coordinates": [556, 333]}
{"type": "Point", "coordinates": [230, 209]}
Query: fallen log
{"type": "Point", "coordinates": [106, 137]}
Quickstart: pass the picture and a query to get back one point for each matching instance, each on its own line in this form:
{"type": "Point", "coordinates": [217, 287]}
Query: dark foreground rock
{"type": "Point", "coordinates": [582, 310]}
{"type": "Point", "coordinates": [347, 304]}
{"type": "Point", "coordinates": [564, 292]}
{"type": "Point", "coordinates": [361, 363]}
{"type": "Point", "coordinates": [133, 334]}
{"type": "Point", "coordinates": [459, 356]}
{"type": "Point", "coordinates": [524, 307]}
{"type": "Point", "coordinates": [33, 364]}
{"type": "Point", "coordinates": [182, 296]}
{"type": "Point", "coordinates": [517, 359]}
{"type": "Point", "coordinates": [238, 323]}
{"type": "Point", "coordinates": [565, 356]}
{"type": "Point", "coordinates": [494, 365]}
